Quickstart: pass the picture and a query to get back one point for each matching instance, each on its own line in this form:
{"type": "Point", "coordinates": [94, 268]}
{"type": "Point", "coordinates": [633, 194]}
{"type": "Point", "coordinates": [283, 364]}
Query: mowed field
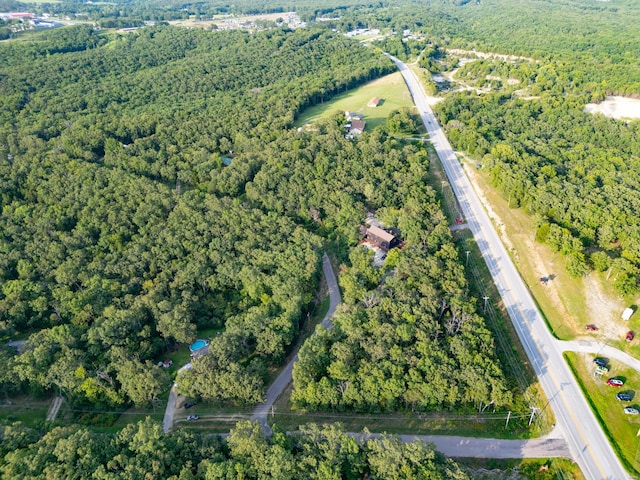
{"type": "Point", "coordinates": [390, 88]}
{"type": "Point", "coordinates": [621, 428]}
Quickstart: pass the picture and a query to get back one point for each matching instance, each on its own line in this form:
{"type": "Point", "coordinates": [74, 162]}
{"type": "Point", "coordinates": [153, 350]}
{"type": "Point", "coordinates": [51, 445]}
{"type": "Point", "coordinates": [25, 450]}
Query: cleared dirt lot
{"type": "Point", "coordinates": [616, 107]}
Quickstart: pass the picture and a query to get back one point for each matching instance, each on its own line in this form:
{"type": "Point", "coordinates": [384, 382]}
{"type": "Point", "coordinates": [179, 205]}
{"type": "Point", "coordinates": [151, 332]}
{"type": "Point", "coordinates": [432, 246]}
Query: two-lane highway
{"type": "Point", "coordinates": [587, 442]}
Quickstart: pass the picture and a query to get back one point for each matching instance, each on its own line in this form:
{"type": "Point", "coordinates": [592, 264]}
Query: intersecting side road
{"type": "Point", "coordinates": [587, 442]}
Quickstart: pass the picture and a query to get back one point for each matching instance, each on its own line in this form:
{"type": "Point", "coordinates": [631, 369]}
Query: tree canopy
{"type": "Point", "coordinates": [142, 450]}
{"type": "Point", "coordinates": [122, 231]}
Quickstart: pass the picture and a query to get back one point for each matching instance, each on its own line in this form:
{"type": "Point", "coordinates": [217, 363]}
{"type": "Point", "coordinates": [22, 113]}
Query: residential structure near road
{"type": "Point", "coordinates": [374, 102]}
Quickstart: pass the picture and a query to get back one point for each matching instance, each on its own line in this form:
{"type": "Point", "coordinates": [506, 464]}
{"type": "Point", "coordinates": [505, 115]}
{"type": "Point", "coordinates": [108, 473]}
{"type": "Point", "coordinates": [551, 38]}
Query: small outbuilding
{"type": "Point", "coordinates": [374, 102]}
{"type": "Point", "coordinates": [626, 315]}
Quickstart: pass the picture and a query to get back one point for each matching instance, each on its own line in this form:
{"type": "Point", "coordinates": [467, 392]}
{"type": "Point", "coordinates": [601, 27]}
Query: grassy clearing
{"type": "Point", "coordinates": [534, 468]}
{"type": "Point", "coordinates": [434, 423]}
{"type": "Point", "coordinates": [30, 411]}
{"type": "Point", "coordinates": [621, 429]}
{"type": "Point", "coordinates": [212, 418]}
{"type": "Point", "coordinates": [390, 87]}
{"type": "Point", "coordinates": [112, 422]}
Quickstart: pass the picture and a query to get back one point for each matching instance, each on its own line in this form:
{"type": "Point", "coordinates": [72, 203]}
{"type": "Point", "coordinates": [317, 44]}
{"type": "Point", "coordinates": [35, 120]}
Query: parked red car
{"type": "Point", "coordinates": [591, 327]}
{"type": "Point", "coordinates": [615, 382]}
{"type": "Point", "coordinates": [629, 336]}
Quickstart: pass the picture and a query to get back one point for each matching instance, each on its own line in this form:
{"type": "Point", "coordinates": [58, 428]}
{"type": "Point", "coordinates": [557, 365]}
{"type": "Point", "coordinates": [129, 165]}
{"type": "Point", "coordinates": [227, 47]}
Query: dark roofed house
{"type": "Point", "coordinates": [381, 238]}
{"type": "Point", "coordinates": [374, 102]}
{"type": "Point", "coordinates": [357, 127]}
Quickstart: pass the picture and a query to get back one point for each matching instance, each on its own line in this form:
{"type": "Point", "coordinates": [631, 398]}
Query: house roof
{"type": "Point", "coordinates": [380, 233]}
{"type": "Point", "coordinates": [374, 102]}
{"type": "Point", "coordinates": [357, 125]}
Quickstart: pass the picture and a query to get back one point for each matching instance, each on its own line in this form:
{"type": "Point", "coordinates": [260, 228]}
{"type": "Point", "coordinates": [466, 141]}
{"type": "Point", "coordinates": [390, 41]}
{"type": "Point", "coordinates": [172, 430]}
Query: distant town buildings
{"type": "Point", "coordinates": [16, 15]}
{"type": "Point", "coordinates": [21, 21]}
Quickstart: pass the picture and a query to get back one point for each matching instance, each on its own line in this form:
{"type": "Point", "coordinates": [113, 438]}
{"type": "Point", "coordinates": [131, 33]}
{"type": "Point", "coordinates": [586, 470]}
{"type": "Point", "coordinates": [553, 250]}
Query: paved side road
{"type": "Point", "coordinates": [167, 421]}
{"type": "Point", "coordinates": [549, 446]}
{"type": "Point", "coordinates": [600, 349]}
{"type": "Point", "coordinates": [280, 383]}
{"type": "Point", "coordinates": [587, 442]}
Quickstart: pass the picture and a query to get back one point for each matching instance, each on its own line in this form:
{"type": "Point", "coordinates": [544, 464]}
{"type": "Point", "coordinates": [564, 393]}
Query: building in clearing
{"type": "Point", "coordinates": [356, 127]}
{"type": "Point", "coordinates": [626, 315]}
{"type": "Point", "coordinates": [374, 102]}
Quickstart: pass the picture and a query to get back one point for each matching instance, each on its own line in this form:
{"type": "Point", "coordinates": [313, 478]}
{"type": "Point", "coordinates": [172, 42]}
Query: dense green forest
{"type": "Point", "coordinates": [577, 173]}
{"type": "Point", "coordinates": [122, 232]}
{"type": "Point", "coordinates": [413, 342]}
{"type": "Point", "coordinates": [142, 450]}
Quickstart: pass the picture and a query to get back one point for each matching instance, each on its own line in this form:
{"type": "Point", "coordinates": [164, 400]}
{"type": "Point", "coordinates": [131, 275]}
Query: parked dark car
{"type": "Point", "coordinates": [624, 396]}
{"type": "Point", "coordinates": [189, 404]}
{"type": "Point", "coordinates": [599, 361]}
{"type": "Point", "coordinates": [591, 327]}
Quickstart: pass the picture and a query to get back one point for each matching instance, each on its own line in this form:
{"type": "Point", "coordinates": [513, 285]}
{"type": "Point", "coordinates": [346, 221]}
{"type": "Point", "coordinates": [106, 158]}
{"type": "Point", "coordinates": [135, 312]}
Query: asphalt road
{"type": "Point", "coordinates": [280, 383]}
{"type": "Point", "coordinates": [549, 446]}
{"type": "Point", "coordinates": [169, 412]}
{"type": "Point", "coordinates": [587, 442]}
{"type": "Point", "coordinates": [600, 349]}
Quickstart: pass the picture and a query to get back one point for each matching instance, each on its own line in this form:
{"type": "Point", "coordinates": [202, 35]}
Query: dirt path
{"type": "Point", "coordinates": [473, 53]}
{"type": "Point", "coordinates": [55, 408]}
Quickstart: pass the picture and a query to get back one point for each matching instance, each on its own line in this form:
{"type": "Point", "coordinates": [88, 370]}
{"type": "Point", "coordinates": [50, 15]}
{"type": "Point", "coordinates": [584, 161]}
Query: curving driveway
{"type": "Point", "coordinates": [549, 446]}
{"type": "Point", "coordinates": [280, 383]}
{"type": "Point", "coordinates": [601, 349]}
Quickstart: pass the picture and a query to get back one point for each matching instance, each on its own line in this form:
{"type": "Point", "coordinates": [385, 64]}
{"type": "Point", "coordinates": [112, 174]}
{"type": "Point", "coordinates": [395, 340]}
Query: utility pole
{"type": "Point", "coordinates": [533, 411]}
{"type": "Point", "coordinates": [467, 252]}
{"type": "Point", "coordinates": [485, 303]}
{"type": "Point", "coordinates": [508, 417]}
